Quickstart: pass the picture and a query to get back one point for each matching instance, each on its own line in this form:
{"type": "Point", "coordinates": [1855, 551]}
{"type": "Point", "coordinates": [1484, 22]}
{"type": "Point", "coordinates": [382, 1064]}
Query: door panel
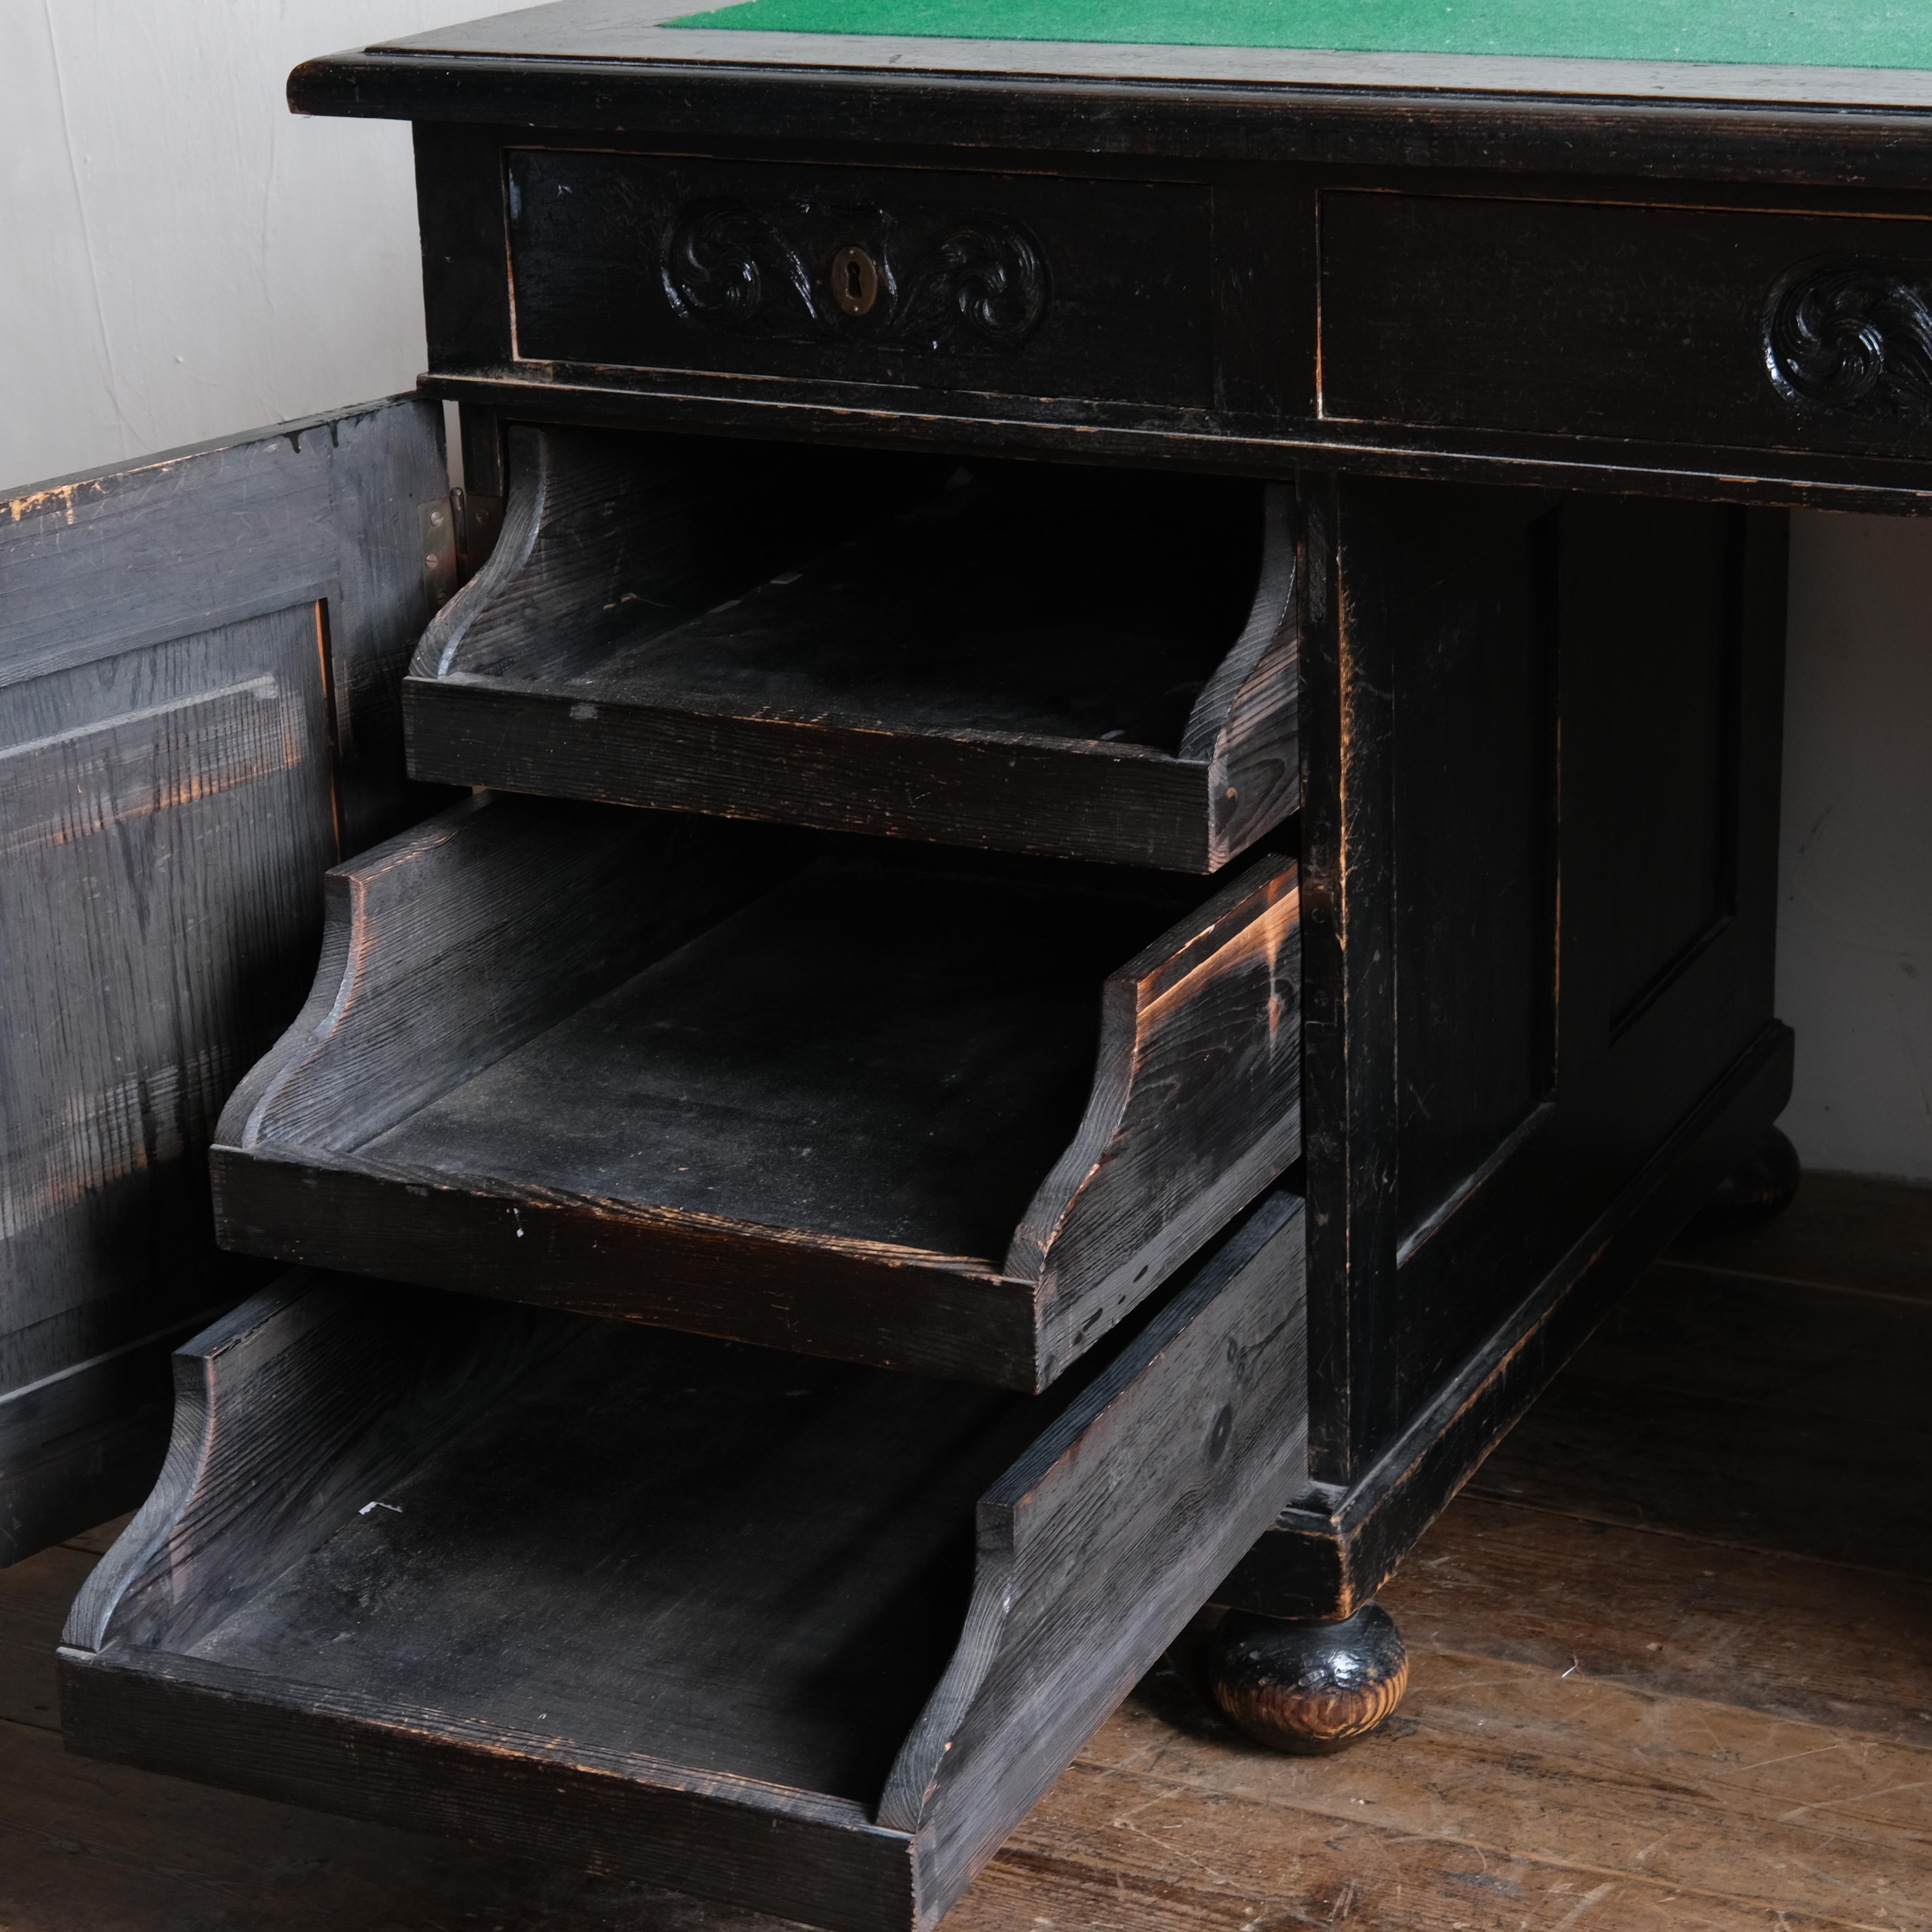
{"type": "Point", "coordinates": [200, 662]}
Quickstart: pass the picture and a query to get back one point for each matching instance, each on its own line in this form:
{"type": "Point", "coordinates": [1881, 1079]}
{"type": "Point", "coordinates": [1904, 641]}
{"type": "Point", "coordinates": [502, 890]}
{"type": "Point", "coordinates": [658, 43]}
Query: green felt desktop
{"type": "Point", "coordinates": [1814, 33]}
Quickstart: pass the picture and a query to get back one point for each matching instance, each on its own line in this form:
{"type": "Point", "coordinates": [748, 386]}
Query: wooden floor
{"type": "Point", "coordinates": [1673, 1669]}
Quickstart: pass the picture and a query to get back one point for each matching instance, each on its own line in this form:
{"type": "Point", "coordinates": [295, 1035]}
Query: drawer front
{"type": "Point", "coordinates": [1679, 325]}
{"type": "Point", "coordinates": [1003, 283]}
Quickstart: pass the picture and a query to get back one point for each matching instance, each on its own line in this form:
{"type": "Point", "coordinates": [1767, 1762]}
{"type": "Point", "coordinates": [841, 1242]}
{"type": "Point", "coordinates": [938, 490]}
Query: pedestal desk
{"type": "Point", "coordinates": [1278, 553]}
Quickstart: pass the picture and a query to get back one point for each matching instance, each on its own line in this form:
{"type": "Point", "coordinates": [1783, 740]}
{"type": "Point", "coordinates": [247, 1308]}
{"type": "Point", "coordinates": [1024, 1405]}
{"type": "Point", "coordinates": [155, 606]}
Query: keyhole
{"type": "Point", "coordinates": [855, 281]}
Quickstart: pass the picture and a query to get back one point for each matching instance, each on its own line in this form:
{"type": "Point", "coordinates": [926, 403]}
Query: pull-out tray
{"type": "Point", "coordinates": [708, 1615]}
{"type": "Point", "coordinates": [944, 1111]}
{"type": "Point", "coordinates": [1075, 662]}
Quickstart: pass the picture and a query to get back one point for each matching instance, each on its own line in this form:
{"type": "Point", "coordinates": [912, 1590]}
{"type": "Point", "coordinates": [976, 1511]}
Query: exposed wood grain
{"type": "Point", "coordinates": [1078, 1589]}
{"type": "Point", "coordinates": [1290, 1870]}
{"type": "Point", "coordinates": [822, 1295]}
{"type": "Point", "coordinates": [182, 543]}
{"type": "Point", "coordinates": [815, 1122]}
{"type": "Point", "coordinates": [1515, 1094]}
{"type": "Point", "coordinates": [1060, 661]}
{"type": "Point", "coordinates": [669, 1604]}
{"type": "Point", "coordinates": [1244, 722]}
{"type": "Point", "coordinates": [1786, 1389]}
{"type": "Point", "coordinates": [198, 662]}
{"type": "Point", "coordinates": [281, 1401]}
{"type": "Point", "coordinates": [1196, 1106]}
{"type": "Point", "coordinates": [1117, 1845]}
{"type": "Point", "coordinates": [165, 821]}
{"type": "Point", "coordinates": [1707, 1798]}
{"type": "Point", "coordinates": [86, 1436]}
{"type": "Point", "coordinates": [1673, 1615]}
{"type": "Point", "coordinates": [455, 944]}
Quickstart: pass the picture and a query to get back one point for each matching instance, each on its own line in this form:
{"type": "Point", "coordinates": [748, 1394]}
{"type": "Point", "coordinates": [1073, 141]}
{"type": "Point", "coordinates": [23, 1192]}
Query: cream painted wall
{"type": "Point", "coordinates": [179, 255]}
{"type": "Point", "coordinates": [181, 258]}
{"type": "Point", "coordinates": [1854, 928]}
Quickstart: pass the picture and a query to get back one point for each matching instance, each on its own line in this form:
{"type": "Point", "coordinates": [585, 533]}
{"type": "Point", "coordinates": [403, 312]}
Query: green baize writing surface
{"type": "Point", "coordinates": [1810, 33]}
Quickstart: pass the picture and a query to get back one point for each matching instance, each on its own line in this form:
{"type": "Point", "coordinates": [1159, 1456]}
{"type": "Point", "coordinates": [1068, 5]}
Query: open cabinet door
{"type": "Point", "coordinates": [201, 657]}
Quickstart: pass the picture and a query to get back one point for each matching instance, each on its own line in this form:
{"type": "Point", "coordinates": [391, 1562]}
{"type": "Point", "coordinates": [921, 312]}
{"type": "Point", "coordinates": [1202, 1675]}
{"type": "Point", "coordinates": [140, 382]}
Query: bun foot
{"type": "Point", "coordinates": [1308, 1688]}
{"type": "Point", "coordinates": [1757, 1188]}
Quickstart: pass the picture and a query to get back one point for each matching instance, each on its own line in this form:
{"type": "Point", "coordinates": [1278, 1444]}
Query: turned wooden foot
{"type": "Point", "coordinates": [1308, 1688]}
{"type": "Point", "coordinates": [1751, 1193]}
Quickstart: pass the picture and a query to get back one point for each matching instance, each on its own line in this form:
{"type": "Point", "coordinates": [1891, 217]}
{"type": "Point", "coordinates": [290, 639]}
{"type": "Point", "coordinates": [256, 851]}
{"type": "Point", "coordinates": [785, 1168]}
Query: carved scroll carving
{"type": "Point", "coordinates": [727, 265]}
{"type": "Point", "coordinates": [1850, 336]}
{"type": "Point", "coordinates": [979, 282]}
{"type": "Point", "coordinates": [985, 274]}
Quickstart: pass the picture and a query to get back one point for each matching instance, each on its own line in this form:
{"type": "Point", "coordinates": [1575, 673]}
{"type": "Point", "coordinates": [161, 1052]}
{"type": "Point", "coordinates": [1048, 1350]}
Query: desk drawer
{"type": "Point", "coordinates": [1691, 325]}
{"type": "Point", "coordinates": [947, 1113]}
{"type": "Point", "coordinates": [1008, 284]}
{"type": "Point", "coordinates": [702, 1614]}
{"type": "Point", "coordinates": [1080, 663]}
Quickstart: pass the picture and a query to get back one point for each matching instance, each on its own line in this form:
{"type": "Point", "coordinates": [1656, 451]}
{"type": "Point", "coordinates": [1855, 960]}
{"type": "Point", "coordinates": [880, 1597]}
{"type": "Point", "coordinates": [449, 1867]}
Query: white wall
{"type": "Point", "coordinates": [1854, 930]}
{"type": "Point", "coordinates": [181, 258]}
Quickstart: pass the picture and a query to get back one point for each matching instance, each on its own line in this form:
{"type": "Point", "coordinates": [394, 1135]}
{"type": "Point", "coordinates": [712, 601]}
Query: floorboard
{"type": "Point", "coordinates": [1672, 1673]}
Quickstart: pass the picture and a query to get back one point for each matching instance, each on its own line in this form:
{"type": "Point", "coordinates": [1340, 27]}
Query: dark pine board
{"type": "Point", "coordinates": [200, 660]}
{"type": "Point", "coordinates": [896, 1105]}
{"type": "Point", "coordinates": [797, 1635]}
{"type": "Point", "coordinates": [1080, 663]}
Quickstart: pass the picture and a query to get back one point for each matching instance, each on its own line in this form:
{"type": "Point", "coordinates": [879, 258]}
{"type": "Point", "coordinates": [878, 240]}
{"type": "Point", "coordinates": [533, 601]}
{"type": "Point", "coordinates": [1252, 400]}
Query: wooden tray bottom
{"type": "Point", "coordinates": [1084, 606]}
{"type": "Point", "coordinates": [870, 1051]}
{"type": "Point", "coordinates": [687, 1549]}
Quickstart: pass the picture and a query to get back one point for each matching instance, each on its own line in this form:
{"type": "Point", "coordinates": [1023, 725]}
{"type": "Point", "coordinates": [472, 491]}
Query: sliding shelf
{"type": "Point", "coordinates": [1079, 663]}
{"type": "Point", "coordinates": [950, 1112]}
{"type": "Point", "coordinates": [805, 1637]}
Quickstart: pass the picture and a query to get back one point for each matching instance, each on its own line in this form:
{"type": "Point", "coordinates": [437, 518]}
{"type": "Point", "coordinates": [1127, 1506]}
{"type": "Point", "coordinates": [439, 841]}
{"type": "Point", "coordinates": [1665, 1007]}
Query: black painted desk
{"type": "Point", "coordinates": [1540, 726]}
{"type": "Point", "coordinates": [1512, 367]}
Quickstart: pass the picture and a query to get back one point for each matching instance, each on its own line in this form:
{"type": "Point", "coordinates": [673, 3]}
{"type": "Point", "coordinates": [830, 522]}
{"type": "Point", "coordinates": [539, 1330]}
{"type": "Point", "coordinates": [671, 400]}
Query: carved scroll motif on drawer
{"type": "Point", "coordinates": [1738, 328]}
{"type": "Point", "coordinates": [728, 265]}
{"type": "Point", "coordinates": [1033, 285]}
{"type": "Point", "coordinates": [1851, 336]}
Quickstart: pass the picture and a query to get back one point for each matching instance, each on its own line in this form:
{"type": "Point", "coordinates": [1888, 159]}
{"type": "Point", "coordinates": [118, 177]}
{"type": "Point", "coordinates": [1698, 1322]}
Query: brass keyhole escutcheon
{"type": "Point", "coordinates": [855, 281]}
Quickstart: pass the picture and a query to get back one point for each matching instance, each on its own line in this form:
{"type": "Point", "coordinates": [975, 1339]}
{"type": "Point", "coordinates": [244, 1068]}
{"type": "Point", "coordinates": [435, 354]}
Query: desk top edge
{"type": "Point", "coordinates": [548, 37]}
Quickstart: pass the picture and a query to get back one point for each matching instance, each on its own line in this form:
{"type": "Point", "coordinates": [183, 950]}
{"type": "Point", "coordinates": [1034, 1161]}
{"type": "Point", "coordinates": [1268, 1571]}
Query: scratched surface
{"type": "Point", "coordinates": [1647, 1697]}
{"type": "Point", "coordinates": [165, 818]}
{"type": "Point", "coordinates": [198, 709]}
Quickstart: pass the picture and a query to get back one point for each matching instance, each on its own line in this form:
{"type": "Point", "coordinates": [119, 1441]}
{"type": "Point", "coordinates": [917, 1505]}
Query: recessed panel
{"type": "Point", "coordinates": [1474, 769]}
{"type": "Point", "coordinates": [166, 816]}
